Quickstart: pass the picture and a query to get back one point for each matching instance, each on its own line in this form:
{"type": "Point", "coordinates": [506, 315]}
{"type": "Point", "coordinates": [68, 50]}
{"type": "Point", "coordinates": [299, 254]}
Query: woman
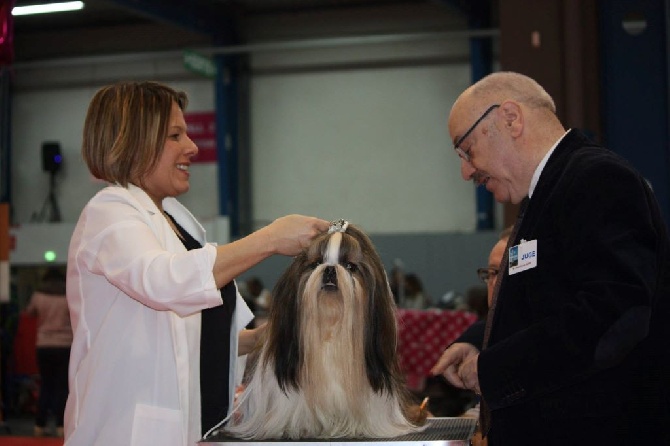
{"type": "Point", "coordinates": [155, 311]}
{"type": "Point", "coordinates": [54, 337]}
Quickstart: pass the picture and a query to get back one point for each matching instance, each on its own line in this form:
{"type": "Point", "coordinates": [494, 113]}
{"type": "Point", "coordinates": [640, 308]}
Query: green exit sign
{"type": "Point", "coordinates": [199, 64]}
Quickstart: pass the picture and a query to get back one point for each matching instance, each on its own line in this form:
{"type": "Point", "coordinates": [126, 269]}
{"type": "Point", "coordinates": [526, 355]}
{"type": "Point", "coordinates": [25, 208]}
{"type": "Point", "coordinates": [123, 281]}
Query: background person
{"type": "Point", "coordinates": [397, 282]}
{"type": "Point", "coordinates": [155, 310]}
{"type": "Point", "coordinates": [261, 295]}
{"type": "Point", "coordinates": [54, 338]}
{"type": "Point", "coordinates": [470, 341]}
{"type": "Point", "coordinates": [260, 299]}
{"type": "Point", "coordinates": [474, 335]}
{"type": "Point", "coordinates": [577, 348]}
{"type": "Point", "coordinates": [415, 297]}
{"type": "Point", "coordinates": [475, 301]}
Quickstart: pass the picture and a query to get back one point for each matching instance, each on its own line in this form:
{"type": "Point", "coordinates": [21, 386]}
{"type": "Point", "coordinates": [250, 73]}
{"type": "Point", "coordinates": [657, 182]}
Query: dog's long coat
{"type": "Point", "coordinates": [328, 367]}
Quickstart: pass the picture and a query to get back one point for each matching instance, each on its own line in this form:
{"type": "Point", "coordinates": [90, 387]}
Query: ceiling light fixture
{"type": "Point", "coordinates": [47, 7]}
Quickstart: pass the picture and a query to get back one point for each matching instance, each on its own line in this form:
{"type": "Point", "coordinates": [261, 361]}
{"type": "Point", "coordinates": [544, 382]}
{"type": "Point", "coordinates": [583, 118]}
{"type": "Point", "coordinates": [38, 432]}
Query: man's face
{"type": "Point", "coordinates": [485, 148]}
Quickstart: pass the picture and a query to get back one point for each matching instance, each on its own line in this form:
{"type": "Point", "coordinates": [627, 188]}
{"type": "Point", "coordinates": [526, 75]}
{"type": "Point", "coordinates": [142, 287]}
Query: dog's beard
{"type": "Point", "coordinates": [332, 336]}
{"type": "Point", "coordinates": [327, 368]}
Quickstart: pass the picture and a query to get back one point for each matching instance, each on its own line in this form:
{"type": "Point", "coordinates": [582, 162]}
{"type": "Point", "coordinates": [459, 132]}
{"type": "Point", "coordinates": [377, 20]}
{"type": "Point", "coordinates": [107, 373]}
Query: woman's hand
{"type": "Point", "coordinates": [287, 235]}
{"type": "Point", "coordinates": [249, 339]}
{"type": "Point", "coordinates": [291, 234]}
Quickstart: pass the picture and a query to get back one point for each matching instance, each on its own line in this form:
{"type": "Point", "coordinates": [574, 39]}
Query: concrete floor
{"type": "Point", "coordinates": [19, 427]}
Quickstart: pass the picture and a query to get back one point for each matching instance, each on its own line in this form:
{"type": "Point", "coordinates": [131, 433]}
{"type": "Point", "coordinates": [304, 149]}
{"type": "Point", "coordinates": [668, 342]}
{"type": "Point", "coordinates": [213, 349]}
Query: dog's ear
{"type": "Point", "coordinates": [381, 339]}
{"type": "Point", "coordinates": [381, 328]}
{"type": "Point", "coordinates": [283, 344]}
{"type": "Point", "coordinates": [381, 363]}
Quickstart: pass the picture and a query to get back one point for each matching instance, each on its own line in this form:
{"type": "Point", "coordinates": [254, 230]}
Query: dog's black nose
{"type": "Point", "coordinates": [329, 276]}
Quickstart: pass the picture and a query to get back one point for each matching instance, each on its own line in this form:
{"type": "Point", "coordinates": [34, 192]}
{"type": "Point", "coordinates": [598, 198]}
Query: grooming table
{"type": "Point", "coordinates": [438, 431]}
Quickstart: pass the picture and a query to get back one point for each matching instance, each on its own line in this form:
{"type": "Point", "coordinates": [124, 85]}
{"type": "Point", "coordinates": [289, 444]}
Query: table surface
{"type": "Point", "coordinates": [438, 431]}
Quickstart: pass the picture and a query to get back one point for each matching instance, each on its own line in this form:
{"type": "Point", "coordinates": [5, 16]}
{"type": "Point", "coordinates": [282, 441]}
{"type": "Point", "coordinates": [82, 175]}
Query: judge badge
{"type": "Point", "coordinates": [522, 256]}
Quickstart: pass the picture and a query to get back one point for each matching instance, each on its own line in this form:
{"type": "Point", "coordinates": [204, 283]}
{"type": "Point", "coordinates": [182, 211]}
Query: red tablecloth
{"type": "Point", "coordinates": [422, 337]}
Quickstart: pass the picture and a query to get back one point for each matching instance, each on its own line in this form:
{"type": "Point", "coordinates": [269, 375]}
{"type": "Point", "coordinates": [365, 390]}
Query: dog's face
{"type": "Point", "coordinates": [334, 302]}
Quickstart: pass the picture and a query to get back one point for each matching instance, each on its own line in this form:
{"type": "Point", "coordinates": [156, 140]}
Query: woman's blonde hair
{"type": "Point", "coordinates": [125, 129]}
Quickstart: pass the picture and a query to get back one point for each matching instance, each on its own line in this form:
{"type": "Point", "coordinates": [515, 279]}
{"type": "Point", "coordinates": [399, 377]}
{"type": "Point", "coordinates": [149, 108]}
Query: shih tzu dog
{"type": "Point", "coordinates": [328, 367]}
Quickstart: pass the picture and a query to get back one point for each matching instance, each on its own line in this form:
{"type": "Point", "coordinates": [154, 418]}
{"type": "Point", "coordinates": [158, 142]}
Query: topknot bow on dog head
{"type": "Point", "coordinates": [340, 225]}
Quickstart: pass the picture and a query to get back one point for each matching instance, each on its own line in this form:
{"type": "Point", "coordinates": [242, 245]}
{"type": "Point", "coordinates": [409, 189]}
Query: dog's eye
{"type": "Point", "coordinates": [314, 264]}
{"type": "Point", "coordinates": [351, 267]}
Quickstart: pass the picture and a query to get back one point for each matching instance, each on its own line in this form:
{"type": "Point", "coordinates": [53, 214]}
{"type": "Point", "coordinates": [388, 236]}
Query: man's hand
{"type": "Point", "coordinates": [457, 364]}
{"type": "Point", "coordinates": [467, 372]}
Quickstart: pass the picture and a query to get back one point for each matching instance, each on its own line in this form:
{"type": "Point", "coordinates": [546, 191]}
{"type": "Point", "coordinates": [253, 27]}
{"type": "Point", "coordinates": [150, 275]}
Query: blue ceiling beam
{"type": "Point", "coordinates": [188, 15]}
{"type": "Point", "coordinates": [475, 10]}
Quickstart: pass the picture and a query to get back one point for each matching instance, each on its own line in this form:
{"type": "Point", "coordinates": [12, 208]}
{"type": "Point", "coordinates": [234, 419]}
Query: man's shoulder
{"type": "Point", "coordinates": [578, 146]}
{"type": "Point", "coordinates": [580, 155]}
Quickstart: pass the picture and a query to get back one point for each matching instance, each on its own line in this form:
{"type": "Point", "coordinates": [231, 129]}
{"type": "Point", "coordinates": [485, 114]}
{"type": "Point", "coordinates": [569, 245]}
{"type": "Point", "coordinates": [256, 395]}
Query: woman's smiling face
{"type": "Point", "coordinates": [170, 176]}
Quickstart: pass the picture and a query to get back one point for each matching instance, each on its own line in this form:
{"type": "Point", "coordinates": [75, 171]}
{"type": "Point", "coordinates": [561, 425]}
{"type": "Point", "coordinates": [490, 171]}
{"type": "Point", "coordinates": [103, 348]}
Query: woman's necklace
{"type": "Point", "coordinates": [172, 225]}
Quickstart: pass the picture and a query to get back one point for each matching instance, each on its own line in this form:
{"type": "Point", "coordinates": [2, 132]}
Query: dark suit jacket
{"type": "Point", "coordinates": [578, 352]}
{"type": "Point", "coordinates": [474, 334]}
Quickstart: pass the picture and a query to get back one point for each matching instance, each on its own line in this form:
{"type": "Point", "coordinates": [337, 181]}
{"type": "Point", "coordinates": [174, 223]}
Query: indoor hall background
{"type": "Point", "coordinates": [339, 107]}
{"type": "Point", "coordinates": [352, 128]}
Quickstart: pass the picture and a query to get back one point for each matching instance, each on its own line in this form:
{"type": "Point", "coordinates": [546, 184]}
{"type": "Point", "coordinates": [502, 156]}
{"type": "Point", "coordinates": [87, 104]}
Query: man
{"type": "Point", "coordinates": [474, 335]}
{"type": "Point", "coordinates": [576, 349]}
{"type": "Point", "coordinates": [489, 275]}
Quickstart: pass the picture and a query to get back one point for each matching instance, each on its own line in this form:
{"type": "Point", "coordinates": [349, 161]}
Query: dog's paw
{"type": "Point", "coordinates": [417, 414]}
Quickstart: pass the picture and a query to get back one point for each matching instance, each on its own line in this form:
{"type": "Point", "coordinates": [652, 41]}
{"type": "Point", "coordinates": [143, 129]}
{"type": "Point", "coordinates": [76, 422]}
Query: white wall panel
{"type": "Point", "coordinates": [367, 145]}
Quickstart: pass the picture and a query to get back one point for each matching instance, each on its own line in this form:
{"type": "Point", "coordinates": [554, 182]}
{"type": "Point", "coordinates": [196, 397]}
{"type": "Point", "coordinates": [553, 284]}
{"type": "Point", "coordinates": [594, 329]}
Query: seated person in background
{"type": "Point", "coordinates": [261, 299]}
{"type": "Point", "coordinates": [473, 337]}
{"type": "Point", "coordinates": [476, 301]}
{"type": "Point", "coordinates": [397, 282]}
{"type": "Point", "coordinates": [415, 296]}
{"type": "Point", "coordinates": [260, 296]}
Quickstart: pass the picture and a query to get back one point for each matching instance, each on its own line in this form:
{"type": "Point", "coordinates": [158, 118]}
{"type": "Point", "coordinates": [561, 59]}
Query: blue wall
{"type": "Point", "coordinates": [635, 90]}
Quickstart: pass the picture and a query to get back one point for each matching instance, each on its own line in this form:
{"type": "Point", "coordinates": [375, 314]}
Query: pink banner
{"type": "Point", "coordinates": [6, 32]}
{"type": "Point", "coordinates": [202, 130]}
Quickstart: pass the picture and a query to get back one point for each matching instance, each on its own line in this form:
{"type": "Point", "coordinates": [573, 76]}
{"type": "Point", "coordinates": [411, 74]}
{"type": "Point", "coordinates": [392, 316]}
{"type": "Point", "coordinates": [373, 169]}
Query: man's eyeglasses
{"type": "Point", "coordinates": [457, 147]}
{"type": "Point", "coordinates": [486, 274]}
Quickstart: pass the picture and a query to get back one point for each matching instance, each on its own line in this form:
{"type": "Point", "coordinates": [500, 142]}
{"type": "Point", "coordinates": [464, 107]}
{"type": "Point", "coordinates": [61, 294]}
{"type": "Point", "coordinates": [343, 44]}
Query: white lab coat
{"type": "Point", "coordinates": [135, 295]}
